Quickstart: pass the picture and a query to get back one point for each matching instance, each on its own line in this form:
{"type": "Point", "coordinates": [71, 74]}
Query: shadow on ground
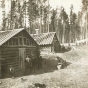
{"type": "Point", "coordinates": [48, 65]}
{"type": "Point", "coordinates": [65, 49]}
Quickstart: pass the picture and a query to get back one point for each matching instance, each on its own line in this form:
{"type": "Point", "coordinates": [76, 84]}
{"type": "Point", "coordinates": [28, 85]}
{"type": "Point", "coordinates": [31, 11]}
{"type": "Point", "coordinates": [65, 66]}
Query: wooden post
{"type": "Point", "coordinates": [63, 40]}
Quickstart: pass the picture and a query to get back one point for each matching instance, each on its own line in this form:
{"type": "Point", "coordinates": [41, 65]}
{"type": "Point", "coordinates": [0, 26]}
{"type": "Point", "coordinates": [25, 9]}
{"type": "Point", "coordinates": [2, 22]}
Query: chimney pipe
{"type": "Point", "coordinates": [37, 31]}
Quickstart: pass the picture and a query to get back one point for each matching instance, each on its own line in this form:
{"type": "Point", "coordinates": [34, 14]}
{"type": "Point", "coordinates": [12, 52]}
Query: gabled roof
{"type": "Point", "coordinates": [6, 35]}
{"type": "Point", "coordinates": [44, 38]}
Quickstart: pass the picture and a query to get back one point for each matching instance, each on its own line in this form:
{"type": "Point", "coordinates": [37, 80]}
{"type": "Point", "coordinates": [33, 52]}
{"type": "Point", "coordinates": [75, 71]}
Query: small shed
{"type": "Point", "coordinates": [48, 42]}
{"type": "Point", "coordinates": [15, 45]}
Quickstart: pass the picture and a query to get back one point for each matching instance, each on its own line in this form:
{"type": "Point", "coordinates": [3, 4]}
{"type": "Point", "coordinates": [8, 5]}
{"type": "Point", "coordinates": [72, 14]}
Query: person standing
{"type": "Point", "coordinates": [28, 64]}
{"type": "Point", "coordinates": [40, 62]}
{"type": "Point", "coordinates": [33, 64]}
{"type": "Point", "coordinates": [11, 70]}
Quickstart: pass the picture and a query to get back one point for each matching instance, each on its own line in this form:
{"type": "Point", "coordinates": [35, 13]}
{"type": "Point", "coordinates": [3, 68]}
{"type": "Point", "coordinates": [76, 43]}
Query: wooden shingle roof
{"type": "Point", "coordinates": [6, 35]}
{"type": "Point", "coordinates": [44, 38]}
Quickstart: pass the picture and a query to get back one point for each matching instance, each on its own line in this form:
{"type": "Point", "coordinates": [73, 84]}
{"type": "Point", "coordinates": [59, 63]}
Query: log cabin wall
{"type": "Point", "coordinates": [10, 56]}
{"type": "Point", "coordinates": [15, 50]}
{"type": "Point", "coordinates": [32, 50]}
{"type": "Point", "coordinates": [54, 47]}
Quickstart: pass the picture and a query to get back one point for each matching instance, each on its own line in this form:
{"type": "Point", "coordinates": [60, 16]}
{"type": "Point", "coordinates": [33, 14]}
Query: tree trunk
{"type": "Point", "coordinates": [86, 26]}
{"type": "Point", "coordinates": [63, 33]}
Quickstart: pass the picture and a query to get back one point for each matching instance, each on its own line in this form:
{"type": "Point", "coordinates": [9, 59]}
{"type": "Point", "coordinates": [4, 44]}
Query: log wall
{"type": "Point", "coordinates": [10, 56]}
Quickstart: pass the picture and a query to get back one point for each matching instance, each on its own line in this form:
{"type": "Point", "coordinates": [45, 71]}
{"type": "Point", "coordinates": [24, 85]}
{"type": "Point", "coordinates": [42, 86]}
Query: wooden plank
{"type": "Point", "coordinates": [11, 60]}
{"type": "Point", "coordinates": [9, 51]}
{"type": "Point", "coordinates": [10, 48]}
{"type": "Point", "coordinates": [12, 55]}
{"type": "Point", "coordinates": [12, 63]}
{"type": "Point", "coordinates": [17, 46]}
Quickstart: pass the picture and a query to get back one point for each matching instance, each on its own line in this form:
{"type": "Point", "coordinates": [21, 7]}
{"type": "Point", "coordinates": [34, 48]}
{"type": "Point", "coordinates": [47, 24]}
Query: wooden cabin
{"type": "Point", "coordinates": [15, 45]}
{"type": "Point", "coordinates": [48, 42]}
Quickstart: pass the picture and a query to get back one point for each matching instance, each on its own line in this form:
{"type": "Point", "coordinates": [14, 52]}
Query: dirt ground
{"type": "Point", "coordinates": [74, 76]}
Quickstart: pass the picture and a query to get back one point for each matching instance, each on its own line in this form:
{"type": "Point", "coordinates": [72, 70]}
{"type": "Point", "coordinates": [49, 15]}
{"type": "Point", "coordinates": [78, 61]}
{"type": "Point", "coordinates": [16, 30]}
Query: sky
{"type": "Point", "coordinates": [66, 4]}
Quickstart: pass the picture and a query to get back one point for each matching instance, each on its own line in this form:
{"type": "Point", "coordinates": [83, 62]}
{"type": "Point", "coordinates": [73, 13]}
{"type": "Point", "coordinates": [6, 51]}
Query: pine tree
{"type": "Point", "coordinates": [53, 20]}
{"type": "Point", "coordinates": [74, 26]}
{"type": "Point", "coordinates": [64, 19]}
{"type": "Point", "coordinates": [85, 9]}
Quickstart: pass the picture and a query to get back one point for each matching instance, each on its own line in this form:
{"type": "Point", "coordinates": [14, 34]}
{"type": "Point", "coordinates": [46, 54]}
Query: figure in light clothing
{"type": "Point", "coordinates": [28, 64]}
{"type": "Point", "coordinates": [11, 70]}
{"type": "Point", "coordinates": [28, 59]}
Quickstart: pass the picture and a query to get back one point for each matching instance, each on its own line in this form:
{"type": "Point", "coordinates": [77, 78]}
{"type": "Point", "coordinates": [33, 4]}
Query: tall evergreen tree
{"type": "Point", "coordinates": [74, 26]}
{"type": "Point", "coordinates": [53, 20]}
{"type": "Point", "coordinates": [64, 19]}
{"type": "Point", "coordinates": [85, 10]}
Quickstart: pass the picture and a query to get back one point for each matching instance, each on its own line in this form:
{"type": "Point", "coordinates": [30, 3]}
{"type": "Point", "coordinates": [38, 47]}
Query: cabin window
{"type": "Point", "coordinates": [16, 35]}
{"type": "Point", "coordinates": [24, 35]}
{"type": "Point", "coordinates": [15, 41]}
{"type": "Point", "coordinates": [24, 41]}
{"type": "Point", "coordinates": [30, 43]}
{"type": "Point", "coordinates": [20, 34]}
{"type": "Point", "coordinates": [7, 43]}
{"type": "Point", "coordinates": [27, 42]}
{"type": "Point", "coordinates": [20, 41]}
{"type": "Point", "coordinates": [10, 42]}
{"type": "Point", "coordinates": [33, 43]}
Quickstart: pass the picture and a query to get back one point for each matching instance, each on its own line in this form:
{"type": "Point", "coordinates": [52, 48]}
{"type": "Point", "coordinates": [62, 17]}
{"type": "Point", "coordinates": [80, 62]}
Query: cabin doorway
{"type": "Point", "coordinates": [22, 56]}
{"type": "Point", "coordinates": [56, 47]}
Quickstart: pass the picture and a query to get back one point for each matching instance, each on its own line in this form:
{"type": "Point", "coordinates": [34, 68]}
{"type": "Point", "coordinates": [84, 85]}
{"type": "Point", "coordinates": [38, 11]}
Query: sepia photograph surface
{"type": "Point", "coordinates": [43, 43]}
